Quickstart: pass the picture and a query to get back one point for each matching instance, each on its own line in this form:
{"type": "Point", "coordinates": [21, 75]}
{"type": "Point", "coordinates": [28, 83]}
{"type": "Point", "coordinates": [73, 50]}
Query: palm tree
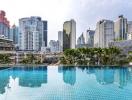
{"type": "Point", "coordinates": [92, 56]}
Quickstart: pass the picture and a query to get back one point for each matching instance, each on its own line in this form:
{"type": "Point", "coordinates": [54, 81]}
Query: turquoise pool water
{"type": "Point", "coordinates": [65, 83]}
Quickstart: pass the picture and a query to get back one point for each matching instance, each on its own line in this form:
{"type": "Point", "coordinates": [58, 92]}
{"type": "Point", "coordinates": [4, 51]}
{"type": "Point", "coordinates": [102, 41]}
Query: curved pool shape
{"type": "Point", "coordinates": [66, 83]}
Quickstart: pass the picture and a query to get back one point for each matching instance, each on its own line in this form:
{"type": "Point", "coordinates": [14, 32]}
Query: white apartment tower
{"type": "Point", "coordinates": [104, 33]}
{"type": "Point", "coordinates": [60, 39]}
{"type": "Point", "coordinates": [32, 33]}
{"type": "Point", "coordinates": [129, 30]}
{"type": "Point", "coordinates": [120, 28]}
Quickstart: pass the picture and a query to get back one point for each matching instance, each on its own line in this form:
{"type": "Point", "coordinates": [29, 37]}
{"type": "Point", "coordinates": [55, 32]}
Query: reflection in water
{"type": "Point", "coordinates": [20, 82]}
{"type": "Point", "coordinates": [33, 77]}
{"type": "Point", "coordinates": [104, 75]}
{"type": "Point", "coordinates": [69, 74]}
{"type": "Point", "coordinates": [28, 76]}
{"type": "Point", "coordinates": [4, 80]}
{"type": "Point", "coordinates": [107, 75]}
{"type": "Point", "coordinates": [123, 73]}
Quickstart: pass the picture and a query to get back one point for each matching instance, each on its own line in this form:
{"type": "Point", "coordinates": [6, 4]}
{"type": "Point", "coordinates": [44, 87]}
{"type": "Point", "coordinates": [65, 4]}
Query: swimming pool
{"type": "Point", "coordinates": [66, 83]}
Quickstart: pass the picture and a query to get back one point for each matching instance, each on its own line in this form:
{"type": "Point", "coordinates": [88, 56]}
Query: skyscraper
{"type": "Point", "coordinates": [33, 33]}
{"type": "Point", "coordinates": [120, 28]}
{"type": "Point", "coordinates": [104, 33]}
{"type": "Point", "coordinates": [89, 37]}
{"type": "Point", "coordinates": [129, 30]}
{"type": "Point", "coordinates": [45, 32]}
{"type": "Point", "coordinates": [81, 40]}
{"type": "Point", "coordinates": [4, 25]}
{"type": "Point", "coordinates": [14, 34]}
{"type": "Point", "coordinates": [60, 39]}
{"type": "Point", "coordinates": [86, 39]}
{"type": "Point", "coordinates": [69, 34]}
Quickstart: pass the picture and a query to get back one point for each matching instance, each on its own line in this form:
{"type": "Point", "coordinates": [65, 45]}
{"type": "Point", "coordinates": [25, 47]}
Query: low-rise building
{"type": "Point", "coordinates": [45, 49]}
{"type": "Point", "coordinates": [54, 46]}
{"type": "Point", "coordinates": [124, 45]}
{"type": "Point", "coordinates": [6, 44]}
{"type": "Point", "coordinates": [7, 47]}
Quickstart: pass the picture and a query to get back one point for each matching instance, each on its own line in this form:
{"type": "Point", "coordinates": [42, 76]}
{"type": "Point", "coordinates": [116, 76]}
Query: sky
{"type": "Point", "coordinates": [86, 13]}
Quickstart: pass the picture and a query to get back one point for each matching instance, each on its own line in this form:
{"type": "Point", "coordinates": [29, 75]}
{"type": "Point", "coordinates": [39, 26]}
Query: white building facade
{"type": "Point", "coordinates": [54, 46]}
{"type": "Point", "coordinates": [31, 34]}
{"type": "Point", "coordinates": [120, 28]}
{"type": "Point", "coordinates": [60, 40]}
{"type": "Point", "coordinates": [89, 37]}
{"type": "Point", "coordinates": [129, 30]}
{"type": "Point", "coordinates": [104, 33]}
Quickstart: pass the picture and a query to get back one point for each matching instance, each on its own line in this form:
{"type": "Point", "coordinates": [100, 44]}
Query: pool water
{"type": "Point", "coordinates": [66, 83]}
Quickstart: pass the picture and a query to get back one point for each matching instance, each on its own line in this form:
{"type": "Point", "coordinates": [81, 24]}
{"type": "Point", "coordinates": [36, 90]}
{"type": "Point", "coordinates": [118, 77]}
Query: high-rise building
{"type": "Point", "coordinates": [81, 40]}
{"type": "Point", "coordinates": [45, 32]}
{"type": "Point", "coordinates": [120, 28]}
{"type": "Point", "coordinates": [60, 39]}
{"type": "Point", "coordinates": [69, 34]}
{"type": "Point", "coordinates": [89, 37]}
{"type": "Point", "coordinates": [4, 25]}
{"type": "Point", "coordinates": [14, 34]}
{"type": "Point", "coordinates": [54, 46]}
{"type": "Point", "coordinates": [86, 39]}
{"type": "Point", "coordinates": [33, 33]}
{"type": "Point", "coordinates": [129, 30]}
{"type": "Point", "coordinates": [104, 33]}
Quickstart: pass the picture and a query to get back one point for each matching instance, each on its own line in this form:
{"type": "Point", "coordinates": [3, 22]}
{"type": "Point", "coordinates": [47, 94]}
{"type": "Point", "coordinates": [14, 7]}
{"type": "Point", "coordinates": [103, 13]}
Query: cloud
{"type": "Point", "coordinates": [85, 12]}
{"type": "Point", "coordinates": [88, 12]}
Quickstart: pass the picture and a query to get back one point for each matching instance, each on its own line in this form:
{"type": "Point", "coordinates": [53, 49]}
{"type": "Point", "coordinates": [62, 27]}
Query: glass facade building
{"type": "Point", "coordinates": [4, 25]}
{"type": "Point", "coordinates": [69, 34]}
{"type": "Point", "coordinates": [14, 34]}
{"type": "Point", "coordinates": [45, 31]}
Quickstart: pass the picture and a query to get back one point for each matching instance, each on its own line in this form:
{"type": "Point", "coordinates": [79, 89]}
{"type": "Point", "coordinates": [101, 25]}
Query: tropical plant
{"type": "Point", "coordinates": [5, 58]}
{"type": "Point", "coordinates": [92, 56]}
{"type": "Point", "coordinates": [29, 59]}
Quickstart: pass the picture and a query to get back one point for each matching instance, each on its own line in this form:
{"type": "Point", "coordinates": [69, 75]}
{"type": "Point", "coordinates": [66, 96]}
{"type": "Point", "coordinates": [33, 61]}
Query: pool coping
{"type": "Point", "coordinates": [35, 65]}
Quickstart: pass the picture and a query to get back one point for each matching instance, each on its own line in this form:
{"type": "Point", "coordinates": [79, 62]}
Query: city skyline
{"type": "Point", "coordinates": [85, 13]}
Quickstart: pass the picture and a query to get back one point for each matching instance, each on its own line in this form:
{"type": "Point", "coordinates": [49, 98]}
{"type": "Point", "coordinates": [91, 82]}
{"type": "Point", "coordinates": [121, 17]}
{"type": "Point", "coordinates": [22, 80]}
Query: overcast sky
{"type": "Point", "coordinates": [85, 12]}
